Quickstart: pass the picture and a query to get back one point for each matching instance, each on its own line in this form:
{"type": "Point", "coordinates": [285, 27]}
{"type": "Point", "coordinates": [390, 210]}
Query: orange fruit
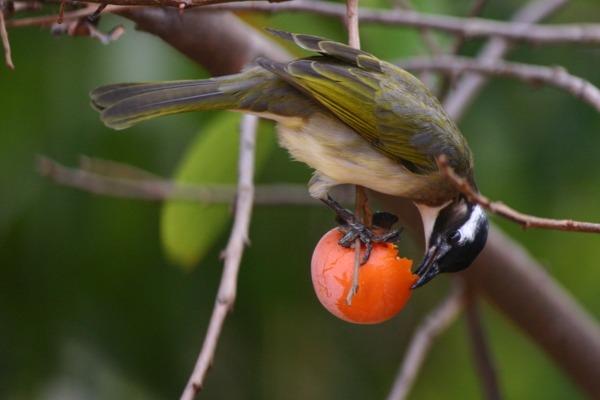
{"type": "Point", "coordinates": [384, 281]}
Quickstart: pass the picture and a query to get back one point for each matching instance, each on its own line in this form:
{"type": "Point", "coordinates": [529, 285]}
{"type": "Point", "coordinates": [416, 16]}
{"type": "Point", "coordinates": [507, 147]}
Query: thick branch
{"type": "Point", "coordinates": [436, 322]}
{"type": "Point", "coordinates": [232, 254]}
{"type": "Point", "coordinates": [527, 221]}
{"type": "Point", "coordinates": [533, 74]}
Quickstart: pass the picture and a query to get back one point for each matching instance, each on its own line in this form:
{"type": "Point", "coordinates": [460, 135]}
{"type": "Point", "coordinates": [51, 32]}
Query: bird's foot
{"type": "Point", "coordinates": [381, 231]}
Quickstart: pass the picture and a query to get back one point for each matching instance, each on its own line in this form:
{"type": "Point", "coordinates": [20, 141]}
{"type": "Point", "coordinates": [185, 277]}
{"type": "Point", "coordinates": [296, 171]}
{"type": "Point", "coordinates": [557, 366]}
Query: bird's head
{"type": "Point", "coordinates": [455, 234]}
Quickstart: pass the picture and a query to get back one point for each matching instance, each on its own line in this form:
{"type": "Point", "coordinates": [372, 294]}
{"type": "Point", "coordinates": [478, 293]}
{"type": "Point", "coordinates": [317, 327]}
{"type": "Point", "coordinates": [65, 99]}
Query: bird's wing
{"type": "Point", "coordinates": [384, 104]}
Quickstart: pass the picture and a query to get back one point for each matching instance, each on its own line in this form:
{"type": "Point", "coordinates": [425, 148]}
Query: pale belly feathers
{"type": "Point", "coordinates": [340, 156]}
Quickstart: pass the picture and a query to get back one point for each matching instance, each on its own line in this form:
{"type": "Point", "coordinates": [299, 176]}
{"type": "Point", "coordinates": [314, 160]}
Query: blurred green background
{"type": "Point", "coordinates": [92, 307]}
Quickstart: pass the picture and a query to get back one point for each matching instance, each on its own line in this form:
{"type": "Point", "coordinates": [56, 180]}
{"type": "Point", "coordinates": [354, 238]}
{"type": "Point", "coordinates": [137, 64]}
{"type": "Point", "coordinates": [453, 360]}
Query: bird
{"type": "Point", "coordinates": [352, 118]}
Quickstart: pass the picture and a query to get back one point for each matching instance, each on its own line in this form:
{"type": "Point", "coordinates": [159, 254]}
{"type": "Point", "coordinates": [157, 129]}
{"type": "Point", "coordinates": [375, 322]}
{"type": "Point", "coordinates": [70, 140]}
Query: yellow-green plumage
{"type": "Point", "coordinates": [352, 117]}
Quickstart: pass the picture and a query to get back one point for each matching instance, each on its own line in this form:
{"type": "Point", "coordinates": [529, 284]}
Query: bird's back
{"type": "Point", "coordinates": [387, 106]}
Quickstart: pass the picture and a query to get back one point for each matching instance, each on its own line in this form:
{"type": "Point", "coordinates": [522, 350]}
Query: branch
{"type": "Point", "coordinates": [232, 255]}
{"type": "Point", "coordinates": [533, 74]}
{"type": "Point", "coordinates": [470, 85]}
{"type": "Point", "coordinates": [429, 40]}
{"type": "Point", "coordinates": [480, 348]}
{"type": "Point", "coordinates": [178, 4]}
{"type": "Point", "coordinates": [436, 322]}
{"type": "Point", "coordinates": [4, 37]}
{"type": "Point", "coordinates": [466, 27]}
{"type": "Point", "coordinates": [360, 197]}
{"type": "Point", "coordinates": [459, 41]}
{"type": "Point", "coordinates": [527, 221]}
{"type": "Point", "coordinates": [351, 20]}
{"type": "Point", "coordinates": [476, 9]}
{"type": "Point", "coordinates": [426, 35]}
{"type": "Point", "coordinates": [124, 181]}
{"type": "Point", "coordinates": [585, 33]}
{"type": "Point", "coordinates": [48, 20]}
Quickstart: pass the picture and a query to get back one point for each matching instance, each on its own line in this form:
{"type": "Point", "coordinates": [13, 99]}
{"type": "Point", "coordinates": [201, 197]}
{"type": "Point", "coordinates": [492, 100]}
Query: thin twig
{"type": "Point", "coordinates": [467, 88]}
{"type": "Point", "coordinates": [426, 34]}
{"type": "Point", "coordinates": [363, 213]}
{"type": "Point", "coordinates": [527, 221]}
{"type": "Point", "coordinates": [449, 80]}
{"type": "Point", "coordinates": [476, 9]}
{"type": "Point", "coordinates": [20, 6]}
{"type": "Point", "coordinates": [114, 179]}
{"type": "Point", "coordinates": [533, 74]}
{"type": "Point", "coordinates": [480, 348]}
{"type": "Point", "coordinates": [48, 20]}
{"type": "Point", "coordinates": [232, 255]}
{"type": "Point", "coordinates": [436, 322]}
{"type": "Point", "coordinates": [355, 273]}
{"type": "Point", "coordinates": [4, 37]}
{"type": "Point", "coordinates": [174, 3]}
{"type": "Point", "coordinates": [83, 27]}
{"type": "Point", "coordinates": [351, 21]}
{"type": "Point", "coordinates": [430, 42]}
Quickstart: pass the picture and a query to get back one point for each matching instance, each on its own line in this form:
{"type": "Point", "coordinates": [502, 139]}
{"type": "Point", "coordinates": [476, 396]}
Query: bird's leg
{"type": "Point", "coordinates": [361, 208]}
{"type": "Point", "coordinates": [353, 229]}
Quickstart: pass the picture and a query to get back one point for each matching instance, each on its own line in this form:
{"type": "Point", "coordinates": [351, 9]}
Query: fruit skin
{"type": "Point", "coordinates": [384, 281]}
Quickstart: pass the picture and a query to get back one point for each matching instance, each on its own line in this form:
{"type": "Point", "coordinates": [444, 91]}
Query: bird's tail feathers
{"type": "Point", "coordinates": [125, 104]}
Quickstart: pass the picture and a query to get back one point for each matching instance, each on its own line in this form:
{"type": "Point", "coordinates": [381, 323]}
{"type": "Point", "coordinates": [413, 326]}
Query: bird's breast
{"type": "Point", "coordinates": [336, 151]}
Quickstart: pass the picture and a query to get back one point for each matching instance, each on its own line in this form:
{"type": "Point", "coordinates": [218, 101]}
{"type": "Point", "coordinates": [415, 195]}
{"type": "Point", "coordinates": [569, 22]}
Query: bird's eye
{"type": "Point", "coordinates": [454, 237]}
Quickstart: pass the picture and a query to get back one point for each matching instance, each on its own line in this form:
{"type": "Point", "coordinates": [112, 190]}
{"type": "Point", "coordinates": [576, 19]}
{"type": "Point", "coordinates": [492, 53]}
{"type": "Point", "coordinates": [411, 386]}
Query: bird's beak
{"type": "Point", "coordinates": [429, 267]}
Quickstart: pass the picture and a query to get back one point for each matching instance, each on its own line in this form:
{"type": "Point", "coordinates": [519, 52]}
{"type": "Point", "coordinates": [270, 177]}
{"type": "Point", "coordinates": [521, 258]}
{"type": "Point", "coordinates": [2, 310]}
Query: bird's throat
{"type": "Point", "coordinates": [428, 216]}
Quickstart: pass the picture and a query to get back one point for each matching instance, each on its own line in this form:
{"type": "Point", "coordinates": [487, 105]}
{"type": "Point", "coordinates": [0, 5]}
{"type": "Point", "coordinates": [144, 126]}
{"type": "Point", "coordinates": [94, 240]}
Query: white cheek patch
{"type": "Point", "coordinates": [469, 228]}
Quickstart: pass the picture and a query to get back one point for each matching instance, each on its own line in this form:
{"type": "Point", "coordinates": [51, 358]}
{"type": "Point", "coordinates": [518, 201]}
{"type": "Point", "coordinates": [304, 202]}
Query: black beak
{"type": "Point", "coordinates": [428, 269]}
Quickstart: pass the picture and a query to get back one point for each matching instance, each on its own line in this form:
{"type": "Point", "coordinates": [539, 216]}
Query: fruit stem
{"type": "Point", "coordinates": [354, 288]}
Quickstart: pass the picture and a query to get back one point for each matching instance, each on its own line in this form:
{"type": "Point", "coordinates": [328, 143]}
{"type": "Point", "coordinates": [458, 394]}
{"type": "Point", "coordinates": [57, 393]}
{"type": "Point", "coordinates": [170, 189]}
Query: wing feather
{"type": "Point", "coordinates": [383, 103]}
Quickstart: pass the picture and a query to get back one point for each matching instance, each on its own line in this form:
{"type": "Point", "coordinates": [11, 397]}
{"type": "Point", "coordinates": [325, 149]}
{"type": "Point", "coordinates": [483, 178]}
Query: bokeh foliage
{"type": "Point", "coordinates": [91, 307]}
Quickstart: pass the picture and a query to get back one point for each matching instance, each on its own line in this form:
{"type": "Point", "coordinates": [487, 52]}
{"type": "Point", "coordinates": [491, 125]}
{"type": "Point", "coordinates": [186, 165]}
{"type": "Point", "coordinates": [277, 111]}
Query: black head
{"type": "Point", "coordinates": [457, 237]}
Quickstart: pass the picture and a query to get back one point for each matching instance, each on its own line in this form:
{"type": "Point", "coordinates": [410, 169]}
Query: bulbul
{"type": "Point", "coordinates": [354, 119]}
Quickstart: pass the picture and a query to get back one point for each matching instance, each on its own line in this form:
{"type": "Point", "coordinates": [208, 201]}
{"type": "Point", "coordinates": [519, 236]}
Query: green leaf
{"type": "Point", "coordinates": [189, 230]}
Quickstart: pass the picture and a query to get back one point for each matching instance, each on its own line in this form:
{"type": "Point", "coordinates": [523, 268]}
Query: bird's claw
{"type": "Point", "coordinates": [354, 229]}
